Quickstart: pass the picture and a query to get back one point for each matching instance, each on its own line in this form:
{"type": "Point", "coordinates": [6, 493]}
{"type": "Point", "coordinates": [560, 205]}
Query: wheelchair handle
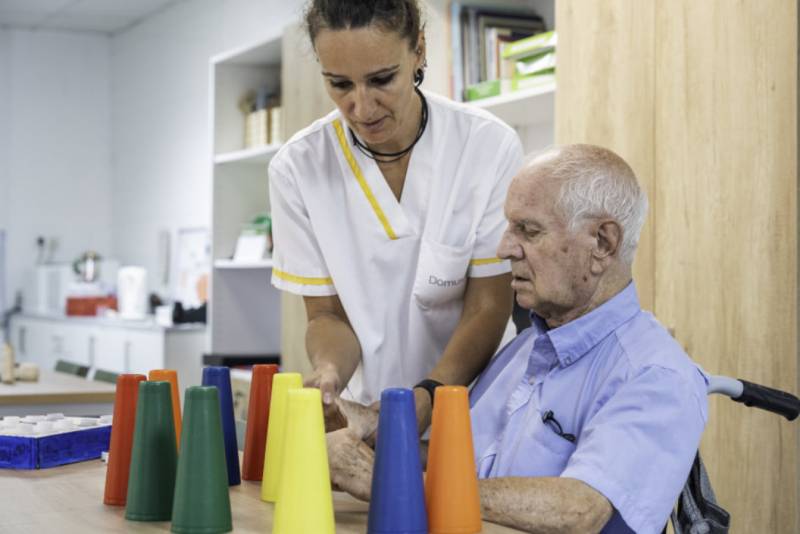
{"type": "Point", "coordinates": [769, 399]}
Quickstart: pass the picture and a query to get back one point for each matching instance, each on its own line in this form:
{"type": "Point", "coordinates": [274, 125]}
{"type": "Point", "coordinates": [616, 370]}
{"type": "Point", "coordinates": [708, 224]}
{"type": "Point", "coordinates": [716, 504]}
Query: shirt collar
{"type": "Point", "coordinates": [572, 340]}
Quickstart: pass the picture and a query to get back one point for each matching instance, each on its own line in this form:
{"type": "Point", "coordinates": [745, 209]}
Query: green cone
{"type": "Point", "coordinates": [202, 504]}
{"type": "Point", "coordinates": [153, 459]}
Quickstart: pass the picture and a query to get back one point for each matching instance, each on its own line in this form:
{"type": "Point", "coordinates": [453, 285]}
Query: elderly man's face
{"type": "Point", "coordinates": [549, 263]}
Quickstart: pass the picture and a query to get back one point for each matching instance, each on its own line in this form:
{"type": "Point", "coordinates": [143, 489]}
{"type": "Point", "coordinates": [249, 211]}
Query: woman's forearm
{"type": "Point", "coordinates": [332, 342]}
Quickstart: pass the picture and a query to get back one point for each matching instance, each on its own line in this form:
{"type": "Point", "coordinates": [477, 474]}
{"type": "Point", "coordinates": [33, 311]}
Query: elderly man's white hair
{"type": "Point", "coordinates": [595, 182]}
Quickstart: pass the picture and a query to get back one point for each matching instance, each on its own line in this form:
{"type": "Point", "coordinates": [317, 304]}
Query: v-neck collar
{"type": "Point", "coordinates": [391, 213]}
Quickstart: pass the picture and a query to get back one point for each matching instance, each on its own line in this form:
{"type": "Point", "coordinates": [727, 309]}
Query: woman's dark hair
{"type": "Point", "coordinates": [401, 16]}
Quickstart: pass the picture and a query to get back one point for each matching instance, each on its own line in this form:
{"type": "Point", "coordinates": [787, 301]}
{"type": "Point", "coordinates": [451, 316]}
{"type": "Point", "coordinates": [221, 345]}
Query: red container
{"type": "Point", "coordinates": [88, 306]}
{"type": "Point", "coordinates": [119, 453]}
{"type": "Point", "coordinates": [257, 421]}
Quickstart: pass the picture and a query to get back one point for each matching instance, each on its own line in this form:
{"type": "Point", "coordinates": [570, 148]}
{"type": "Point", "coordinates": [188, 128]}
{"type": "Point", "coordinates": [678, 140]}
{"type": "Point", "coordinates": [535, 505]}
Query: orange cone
{"type": "Point", "coordinates": [257, 421]}
{"type": "Point", "coordinates": [451, 486]}
{"type": "Point", "coordinates": [122, 426]}
{"type": "Point", "coordinates": [171, 376]}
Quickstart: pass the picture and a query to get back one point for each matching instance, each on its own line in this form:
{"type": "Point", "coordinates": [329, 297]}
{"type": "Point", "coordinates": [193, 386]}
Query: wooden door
{"type": "Point", "coordinates": [701, 99]}
{"type": "Point", "coordinates": [726, 231]}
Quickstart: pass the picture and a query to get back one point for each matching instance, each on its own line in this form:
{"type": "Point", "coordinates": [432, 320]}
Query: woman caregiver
{"type": "Point", "coordinates": [387, 213]}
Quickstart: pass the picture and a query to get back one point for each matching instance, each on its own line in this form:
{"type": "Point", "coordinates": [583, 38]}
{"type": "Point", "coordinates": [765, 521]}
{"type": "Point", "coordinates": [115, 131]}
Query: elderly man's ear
{"type": "Point", "coordinates": [608, 238]}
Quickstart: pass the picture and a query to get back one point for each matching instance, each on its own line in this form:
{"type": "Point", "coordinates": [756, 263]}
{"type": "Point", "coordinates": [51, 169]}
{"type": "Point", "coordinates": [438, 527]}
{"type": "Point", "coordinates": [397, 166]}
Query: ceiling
{"type": "Point", "coordinates": [103, 16]}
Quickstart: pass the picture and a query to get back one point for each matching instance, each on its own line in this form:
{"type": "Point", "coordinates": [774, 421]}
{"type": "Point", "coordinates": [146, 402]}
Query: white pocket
{"type": "Point", "coordinates": [441, 273]}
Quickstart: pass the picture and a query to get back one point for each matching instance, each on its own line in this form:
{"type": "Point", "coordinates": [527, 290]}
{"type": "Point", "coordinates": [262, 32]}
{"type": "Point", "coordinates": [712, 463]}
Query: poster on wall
{"type": "Point", "coordinates": [192, 265]}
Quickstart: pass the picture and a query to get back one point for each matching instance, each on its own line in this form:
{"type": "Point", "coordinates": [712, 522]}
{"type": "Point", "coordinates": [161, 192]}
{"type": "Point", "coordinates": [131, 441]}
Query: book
{"type": "Point", "coordinates": [484, 89]}
{"type": "Point", "coordinates": [476, 37]}
{"type": "Point", "coordinates": [544, 62]}
{"type": "Point", "coordinates": [532, 46]}
{"type": "Point", "coordinates": [539, 79]}
{"type": "Point", "coordinates": [515, 27]}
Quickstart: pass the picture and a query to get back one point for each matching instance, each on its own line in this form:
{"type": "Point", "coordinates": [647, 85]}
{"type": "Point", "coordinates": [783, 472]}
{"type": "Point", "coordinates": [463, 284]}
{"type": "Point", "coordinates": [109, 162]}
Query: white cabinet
{"type": "Point", "coordinates": [110, 345]}
{"type": "Point", "coordinates": [144, 350]}
{"type": "Point", "coordinates": [29, 339]}
{"type": "Point", "coordinates": [108, 349]}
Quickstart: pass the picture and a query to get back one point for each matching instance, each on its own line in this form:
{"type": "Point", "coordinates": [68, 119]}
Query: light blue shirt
{"type": "Point", "coordinates": [620, 384]}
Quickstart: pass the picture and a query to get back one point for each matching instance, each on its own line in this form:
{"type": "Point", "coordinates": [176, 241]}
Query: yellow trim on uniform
{"type": "Point", "coordinates": [485, 261]}
{"type": "Point", "coordinates": [348, 155]}
{"type": "Point", "coordinates": [302, 279]}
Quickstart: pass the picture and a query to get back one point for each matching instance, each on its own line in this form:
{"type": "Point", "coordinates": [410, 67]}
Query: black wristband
{"type": "Point", "coordinates": [430, 386]}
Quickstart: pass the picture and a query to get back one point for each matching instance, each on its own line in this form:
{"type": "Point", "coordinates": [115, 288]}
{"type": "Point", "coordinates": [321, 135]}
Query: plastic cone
{"type": "Point", "coordinates": [119, 450]}
{"type": "Point", "coordinates": [451, 486]}
{"type": "Point", "coordinates": [221, 378]}
{"type": "Point", "coordinates": [171, 376]}
{"type": "Point", "coordinates": [202, 504]}
{"type": "Point", "coordinates": [154, 458]}
{"type": "Point", "coordinates": [305, 504]}
{"type": "Point", "coordinates": [257, 421]}
{"type": "Point", "coordinates": [397, 504]}
{"type": "Point", "coordinates": [273, 455]}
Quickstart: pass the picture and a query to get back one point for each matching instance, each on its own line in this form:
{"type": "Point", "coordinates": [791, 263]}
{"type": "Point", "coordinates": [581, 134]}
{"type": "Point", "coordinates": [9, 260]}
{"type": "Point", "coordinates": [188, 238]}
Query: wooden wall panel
{"type": "Point", "coordinates": [726, 230]}
{"type": "Point", "coordinates": [304, 100]}
{"type": "Point", "coordinates": [605, 95]}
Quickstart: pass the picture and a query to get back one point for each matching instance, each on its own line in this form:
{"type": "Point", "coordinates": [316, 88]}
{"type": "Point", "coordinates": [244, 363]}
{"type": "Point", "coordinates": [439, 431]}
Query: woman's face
{"type": "Point", "coordinates": [369, 74]}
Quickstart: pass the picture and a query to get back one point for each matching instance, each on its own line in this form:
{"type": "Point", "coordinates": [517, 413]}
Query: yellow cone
{"type": "Point", "coordinates": [305, 503]}
{"type": "Point", "coordinates": [273, 455]}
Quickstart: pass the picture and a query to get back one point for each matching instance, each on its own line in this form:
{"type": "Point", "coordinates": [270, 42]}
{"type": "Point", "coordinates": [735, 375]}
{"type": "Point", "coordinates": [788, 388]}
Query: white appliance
{"type": "Point", "coordinates": [50, 284]}
{"type": "Point", "coordinates": [47, 289]}
{"type": "Point", "coordinates": [132, 292]}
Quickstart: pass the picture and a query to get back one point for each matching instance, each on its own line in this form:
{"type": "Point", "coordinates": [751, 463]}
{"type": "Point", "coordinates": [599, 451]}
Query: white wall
{"type": "Point", "coordinates": [4, 140]}
{"type": "Point", "coordinates": [161, 139]}
{"type": "Point", "coordinates": [54, 145]}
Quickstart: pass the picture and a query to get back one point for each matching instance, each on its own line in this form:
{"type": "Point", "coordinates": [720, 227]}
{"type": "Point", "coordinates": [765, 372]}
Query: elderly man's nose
{"type": "Point", "coordinates": [508, 249]}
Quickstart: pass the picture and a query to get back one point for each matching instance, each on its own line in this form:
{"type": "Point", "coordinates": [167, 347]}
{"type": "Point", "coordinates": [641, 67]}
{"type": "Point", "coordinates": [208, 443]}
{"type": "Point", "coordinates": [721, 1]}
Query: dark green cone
{"type": "Point", "coordinates": [153, 460]}
{"type": "Point", "coordinates": [202, 504]}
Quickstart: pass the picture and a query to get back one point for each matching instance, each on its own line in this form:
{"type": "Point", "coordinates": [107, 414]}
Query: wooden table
{"type": "Point", "coordinates": [57, 392]}
{"type": "Point", "coordinates": [69, 499]}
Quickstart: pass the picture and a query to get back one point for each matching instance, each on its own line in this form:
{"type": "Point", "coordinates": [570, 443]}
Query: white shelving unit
{"type": "Point", "coordinates": [244, 313]}
{"type": "Point", "coordinates": [527, 107]}
{"type": "Point", "coordinates": [231, 264]}
{"type": "Point", "coordinates": [255, 156]}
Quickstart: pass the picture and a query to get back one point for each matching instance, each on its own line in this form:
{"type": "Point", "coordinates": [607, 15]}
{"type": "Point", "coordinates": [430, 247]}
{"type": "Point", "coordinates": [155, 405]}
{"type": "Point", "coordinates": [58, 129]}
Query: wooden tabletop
{"type": "Point", "coordinates": [56, 388]}
{"type": "Point", "coordinates": [69, 499]}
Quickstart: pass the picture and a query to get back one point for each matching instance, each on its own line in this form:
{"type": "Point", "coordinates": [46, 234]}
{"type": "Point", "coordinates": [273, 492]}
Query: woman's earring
{"type": "Point", "coordinates": [419, 74]}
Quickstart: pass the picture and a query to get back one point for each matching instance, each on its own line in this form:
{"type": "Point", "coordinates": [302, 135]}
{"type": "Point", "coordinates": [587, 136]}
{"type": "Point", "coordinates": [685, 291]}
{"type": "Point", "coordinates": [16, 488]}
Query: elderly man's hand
{"type": "Point", "coordinates": [350, 461]}
{"type": "Point", "coordinates": [361, 420]}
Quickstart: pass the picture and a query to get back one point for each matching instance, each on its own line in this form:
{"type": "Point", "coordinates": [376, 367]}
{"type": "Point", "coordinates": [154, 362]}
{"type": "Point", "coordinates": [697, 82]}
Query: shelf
{"type": "Point", "coordinates": [230, 264]}
{"type": "Point", "coordinates": [526, 107]}
{"type": "Point", "coordinates": [257, 155]}
{"type": "Point", "coordinates": [264, 52]}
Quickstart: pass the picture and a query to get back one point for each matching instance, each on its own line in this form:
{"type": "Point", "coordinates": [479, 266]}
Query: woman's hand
{"type": "Point", "coordinates": [326, 378]}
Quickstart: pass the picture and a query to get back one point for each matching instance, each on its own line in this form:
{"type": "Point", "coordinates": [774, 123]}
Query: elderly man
{"type": "Point", "coordinates": [588, 420]}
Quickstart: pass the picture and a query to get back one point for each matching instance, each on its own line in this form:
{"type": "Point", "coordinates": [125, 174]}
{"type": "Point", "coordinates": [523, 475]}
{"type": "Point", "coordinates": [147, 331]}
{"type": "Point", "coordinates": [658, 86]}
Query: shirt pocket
{"type": "Point", "coordinates": [543, 454]}
{"type": "Point", "coordinates": [441, 273]}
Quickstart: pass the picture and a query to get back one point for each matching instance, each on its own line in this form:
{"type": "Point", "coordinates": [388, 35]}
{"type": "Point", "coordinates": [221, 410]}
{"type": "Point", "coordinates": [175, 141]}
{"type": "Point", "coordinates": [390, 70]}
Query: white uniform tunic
{"type": "Point", "coordinates": [399, 268]}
